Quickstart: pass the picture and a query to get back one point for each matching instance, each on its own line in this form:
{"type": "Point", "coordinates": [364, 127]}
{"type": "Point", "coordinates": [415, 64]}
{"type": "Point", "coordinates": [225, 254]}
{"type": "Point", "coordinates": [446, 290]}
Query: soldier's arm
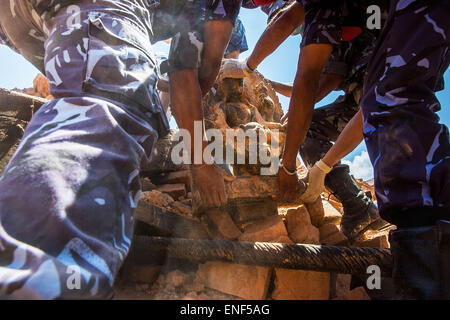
{"type": "Point", "coordinates": [312, 59]}
{"type": "Point", "coordinates": [275, 34]}
{"type": "Point", "coordinates": [348, 140]}
{"type": "Point", "coordinates": [217, 34]}
{"type": "Point", "coordinates": [328, 82]}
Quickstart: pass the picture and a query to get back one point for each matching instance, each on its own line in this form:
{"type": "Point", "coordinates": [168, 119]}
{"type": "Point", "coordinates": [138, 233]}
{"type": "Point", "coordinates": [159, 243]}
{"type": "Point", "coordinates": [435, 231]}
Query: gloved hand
{"type": "Point", "coordinates": [233, 68]}
{"type": "Point", "coordinates": [316, 182]}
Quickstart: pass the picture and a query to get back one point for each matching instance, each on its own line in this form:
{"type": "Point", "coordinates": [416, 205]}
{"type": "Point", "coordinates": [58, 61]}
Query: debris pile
{"type": "Point", "coordinates": [168, 207]}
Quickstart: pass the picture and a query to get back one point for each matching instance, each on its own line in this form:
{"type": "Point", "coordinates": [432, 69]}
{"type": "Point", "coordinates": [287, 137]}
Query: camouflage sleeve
{"type": "Point", "coordinates": [238, 39]}
{"type": "Point", "coordinates": [224, 9]}
{"type": "Point", "coordinates": [323, 22]}
{"type": "Point", "coordinates": [338, 64]}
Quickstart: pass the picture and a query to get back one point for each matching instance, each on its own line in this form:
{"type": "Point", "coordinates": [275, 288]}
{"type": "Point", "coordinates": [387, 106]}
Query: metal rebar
{"type": "Point", "coordinates": [346, 260]}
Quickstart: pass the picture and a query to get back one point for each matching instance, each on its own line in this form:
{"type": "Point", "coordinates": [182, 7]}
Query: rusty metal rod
{"type": "Point", "coordinates": [346, 260]}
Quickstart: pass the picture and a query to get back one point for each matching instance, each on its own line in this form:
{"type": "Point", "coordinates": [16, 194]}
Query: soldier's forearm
{"type": "Point", "coordinates": [348, 140]}
{"type": "Point", "coordinates": [282, 88]}
{"type": "Point", "coordinates": [300, 115]}
{"type": "Point", "coordinates": [310, 65]}
{"type": "Point", "coordinates": [185, 101]}
{"type": "Point", "coordinates": [217, 34]}
{"type": "Point", "coordinates": [274, 35]}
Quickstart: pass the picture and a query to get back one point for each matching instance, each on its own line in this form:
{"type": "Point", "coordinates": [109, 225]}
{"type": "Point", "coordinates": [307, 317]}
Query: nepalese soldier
{"type": "Point", "coordinates": [344, 71]}
{"type": "Point", "coordinates": [78, 164]}
{"type": "Point", "coordinates": [322, 39]}
{"type": "Point", "coordinates": [200, 32]}
{"type": "Point", "coordinates": [28, 40]}
{"type": "Point", "coordinates": [408, 147]}
{"type": "Point", "coordinates": [238, 42]}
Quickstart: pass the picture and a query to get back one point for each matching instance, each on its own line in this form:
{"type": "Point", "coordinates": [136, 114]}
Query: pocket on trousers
{"type": "Point", "coordinates": [120, 65]}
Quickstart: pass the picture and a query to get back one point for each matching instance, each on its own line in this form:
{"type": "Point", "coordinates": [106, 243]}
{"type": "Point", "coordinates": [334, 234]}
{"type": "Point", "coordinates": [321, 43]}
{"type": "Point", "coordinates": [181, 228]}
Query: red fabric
{"type": "Point", "coordinates": [350, 33]}
{"type": "Point", "coordinates": [263, 2]}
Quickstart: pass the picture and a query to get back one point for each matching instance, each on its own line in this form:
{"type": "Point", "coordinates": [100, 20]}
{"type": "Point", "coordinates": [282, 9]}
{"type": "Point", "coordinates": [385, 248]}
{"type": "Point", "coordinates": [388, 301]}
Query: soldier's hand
{"type": "Point", "coordinates": [316, 182]}
{"type": "Point", "coordinates": [288, 186]}
{"type": "Point", "coordinates": [233, 68]}
{"type": "Point", "coordinates": [210, 185]}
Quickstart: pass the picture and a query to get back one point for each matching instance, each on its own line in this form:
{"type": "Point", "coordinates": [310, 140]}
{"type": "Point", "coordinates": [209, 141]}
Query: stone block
{"type": "Point", "coordinates": [331, 235]}
{"type": "Point", "coordinates": [355, 294]}
{"type": "Point", "coordinates": [174, 190]}
{"type": "Point", "coordinates": [246, 282]}
{"type": "Point", "coordinates": [301, 285]}
{"type": "Point", "coordinates": [266, 230]}
{"type": "Point", "coordinates": [299, 226]}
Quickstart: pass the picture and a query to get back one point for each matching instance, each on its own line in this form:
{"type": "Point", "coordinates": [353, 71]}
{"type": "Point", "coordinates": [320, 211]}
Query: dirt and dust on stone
{"type": "Point", "coordinates": [167, 208]}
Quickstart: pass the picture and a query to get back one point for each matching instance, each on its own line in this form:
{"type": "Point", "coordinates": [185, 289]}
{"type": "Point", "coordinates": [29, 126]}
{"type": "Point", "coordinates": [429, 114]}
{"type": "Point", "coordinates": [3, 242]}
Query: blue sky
{"type": "Point", "coordinates": [16, 72]}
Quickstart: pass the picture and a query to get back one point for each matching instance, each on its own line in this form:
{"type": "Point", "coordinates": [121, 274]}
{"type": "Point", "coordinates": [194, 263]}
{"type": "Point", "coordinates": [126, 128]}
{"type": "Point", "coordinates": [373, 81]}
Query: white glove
{"type": "Point", "coordinates": [233, 68]}
{"type": "Point", "coordinates": [316, 182]}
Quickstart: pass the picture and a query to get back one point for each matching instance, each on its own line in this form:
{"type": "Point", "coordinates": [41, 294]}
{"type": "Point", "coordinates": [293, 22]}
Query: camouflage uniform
{"type": "Point", "coordinates": [349, 59]}
{"type": "Point", "coordinates": [238, 39]}
{"type": "Point", "coordinates": [69, 193]}
{"type": "Point", "coordinates": [21, 32]}
{"type": "Point", "coordinates": [271, 9]}
{"type": "Point", "coordinates": [408, 147]}
{"type": "Point", "coordinates": [184, 23]}
{"type": "Point", "coordinates": [323, 24]}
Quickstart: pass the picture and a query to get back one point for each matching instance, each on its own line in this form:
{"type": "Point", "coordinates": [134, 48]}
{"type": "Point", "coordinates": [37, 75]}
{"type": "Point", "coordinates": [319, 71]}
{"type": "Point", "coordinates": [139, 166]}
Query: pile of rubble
{"type": "Point", "coordinates": [168, 208]}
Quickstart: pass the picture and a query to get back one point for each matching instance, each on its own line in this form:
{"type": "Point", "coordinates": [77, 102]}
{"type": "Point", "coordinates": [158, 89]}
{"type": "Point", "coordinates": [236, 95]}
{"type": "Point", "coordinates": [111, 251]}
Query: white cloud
{"type": "Point", "coordinates": [360, 167]}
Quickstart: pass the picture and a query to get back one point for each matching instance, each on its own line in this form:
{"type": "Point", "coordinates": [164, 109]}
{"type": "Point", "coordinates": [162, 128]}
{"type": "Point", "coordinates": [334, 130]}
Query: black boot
{"type": "Point", "coordinates": [443, 229]}
{"type": "Point", "coordinates": [360, 213]}
{"type": "Point", "coordinates": [420, 255]}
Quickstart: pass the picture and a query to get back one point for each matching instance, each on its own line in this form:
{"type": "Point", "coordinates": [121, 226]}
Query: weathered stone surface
{"type": "Point", "coordinates": [266, 230]}
{"type": "Point", "coordinates": [332, 236]}
{"type": "Point", "coordinates": [183, 176]}
{"type": "Point", "coordinates": [220, 225]}
{"type": "Point", "coordinates": [147, 185]}
{"type": "Point", "coordinates": [155, 197]}
{"type": "Point", "coordinates": [355, 294]}
{"type": "Point", "coordinates": [339, 285]}
{"type": "Point", "coordinates": [16, 109]}
{"type": "Point", "coordinates": [182, 208]}
{"type": "Point", "coordinates": [282, 239]}
{"type": "Point", "coordinates": [316, 212]}
{"type": "Point", "coordinates": [299, 226]}
{"type": "Point", "coordinates": [301, 285]}
{"type": "Point", "coordinates": [247, 282]}
{"type": "Point", "coordinates": [243, 212]}
{"type": "Point", "coordinates": [176, 278]}
{"type": "Point", "coordinates": [174, 190]}
{"type": "Point", "coordinates": [168, 222]}
{"type": "Point", "coordinates": [336, 204]}
{"type": "Point", "coordinates": [331, 214]}
{"type": "Point", "coordinates": [247, 188]}
{"type": "Point", "coordinates": [380, 241]}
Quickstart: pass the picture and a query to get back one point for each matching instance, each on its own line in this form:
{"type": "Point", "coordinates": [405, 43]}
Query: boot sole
{"type": "Point", "coordinates": [376, 225]}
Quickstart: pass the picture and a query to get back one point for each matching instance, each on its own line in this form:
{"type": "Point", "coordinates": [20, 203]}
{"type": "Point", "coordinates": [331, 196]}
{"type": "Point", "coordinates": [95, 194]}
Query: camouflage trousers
{"type": "Point", "coordinates": [408, 147]}
{"type": "Point", "coordinates": [22, 32]}
{"type": "Point", "coordinates": [326, 126]}
{"type": "Point", "coordinates": [68, 195]}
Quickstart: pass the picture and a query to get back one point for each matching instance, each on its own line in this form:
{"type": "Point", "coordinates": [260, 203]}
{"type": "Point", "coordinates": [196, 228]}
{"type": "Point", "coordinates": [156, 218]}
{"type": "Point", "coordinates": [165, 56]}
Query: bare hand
{"type": "Point", "coordinates": [209, 183]}
{"type": "Point", "coordinates": [288, 186]}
